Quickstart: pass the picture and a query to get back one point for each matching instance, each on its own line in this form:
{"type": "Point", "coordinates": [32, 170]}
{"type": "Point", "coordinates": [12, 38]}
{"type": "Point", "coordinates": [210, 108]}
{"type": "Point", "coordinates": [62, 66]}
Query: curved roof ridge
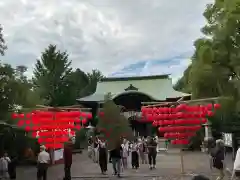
{"type": "Point", "coordinates": [162, 76]}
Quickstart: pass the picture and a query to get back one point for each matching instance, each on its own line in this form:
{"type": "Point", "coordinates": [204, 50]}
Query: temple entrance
{"type": "Point", "coordinates": [132, 102]}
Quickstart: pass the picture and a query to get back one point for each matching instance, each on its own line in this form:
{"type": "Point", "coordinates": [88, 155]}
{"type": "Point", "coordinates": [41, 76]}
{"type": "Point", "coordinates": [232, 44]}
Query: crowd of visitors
{"type": "Point", "coordinates": [142, 150]}
{"type": "Point", "coordinates": [139, 151]}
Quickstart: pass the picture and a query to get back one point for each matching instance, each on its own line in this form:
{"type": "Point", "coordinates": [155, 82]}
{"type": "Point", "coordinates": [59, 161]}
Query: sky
{"type": "Point", "coordinates": [118, 37]}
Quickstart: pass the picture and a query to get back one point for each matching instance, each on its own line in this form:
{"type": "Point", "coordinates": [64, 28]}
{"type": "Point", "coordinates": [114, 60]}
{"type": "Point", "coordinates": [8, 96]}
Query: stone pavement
{"type": "Point", "coordinates": [168, 168]}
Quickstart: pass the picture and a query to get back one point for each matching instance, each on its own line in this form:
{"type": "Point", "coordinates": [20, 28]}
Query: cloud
{"type": "Point", "coordinates": [115, 36]}
{"type": "Point", "coordinates": [173, 66]}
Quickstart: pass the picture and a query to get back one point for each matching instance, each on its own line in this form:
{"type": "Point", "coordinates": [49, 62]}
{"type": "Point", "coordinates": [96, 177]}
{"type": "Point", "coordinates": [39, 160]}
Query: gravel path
{"type": "Point", "coordinates": [168, 168]}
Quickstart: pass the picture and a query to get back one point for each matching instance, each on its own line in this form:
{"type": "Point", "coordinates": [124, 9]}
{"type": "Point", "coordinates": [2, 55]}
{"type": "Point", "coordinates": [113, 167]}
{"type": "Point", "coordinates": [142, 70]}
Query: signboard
{"type": "Point", "coordinates": [228, 140]}
{"type": "Point", "coordinates": [58, 154]}
{"type": "Point", "coordinates": [129, 114]}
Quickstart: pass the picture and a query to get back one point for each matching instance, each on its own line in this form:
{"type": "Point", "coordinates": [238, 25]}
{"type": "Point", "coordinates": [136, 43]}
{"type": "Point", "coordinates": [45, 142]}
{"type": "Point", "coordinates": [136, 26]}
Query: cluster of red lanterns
{"type": "Point", "coordinates": [181, 122]}
{"type": "Point", "coordinates": [52, 128]}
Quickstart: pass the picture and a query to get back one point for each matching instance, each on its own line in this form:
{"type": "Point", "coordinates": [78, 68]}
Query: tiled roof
{"type": "Point", "coordinates": [157, 87]}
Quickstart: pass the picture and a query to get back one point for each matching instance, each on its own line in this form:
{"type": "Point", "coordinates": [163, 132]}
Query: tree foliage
{"type": "Point", "coordinates": [113, 125]}
{"type": "Point", "coordinates": [215, 67]}
{"type": "Point", "coordinates": [54, 82]}
{"type": "Point", "coordinates": [57, 83]}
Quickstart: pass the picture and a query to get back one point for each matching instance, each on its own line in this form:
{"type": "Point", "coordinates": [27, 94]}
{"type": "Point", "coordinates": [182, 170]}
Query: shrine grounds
{"type": "Point", "coordinates": [168, 168]}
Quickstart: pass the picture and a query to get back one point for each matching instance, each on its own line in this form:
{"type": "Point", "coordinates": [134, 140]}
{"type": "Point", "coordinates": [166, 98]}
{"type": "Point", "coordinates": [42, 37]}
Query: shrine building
{"type": "Point", "coordinates": [131, 92]}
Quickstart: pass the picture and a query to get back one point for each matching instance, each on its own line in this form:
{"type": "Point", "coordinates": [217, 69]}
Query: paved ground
{"type": "Point", "coordinates": [168, 168]}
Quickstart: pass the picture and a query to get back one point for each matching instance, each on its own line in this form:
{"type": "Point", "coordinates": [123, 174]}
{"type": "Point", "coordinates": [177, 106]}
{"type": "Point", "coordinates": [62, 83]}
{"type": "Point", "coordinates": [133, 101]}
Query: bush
{"type": "Point", "coordinates": [81, 139]}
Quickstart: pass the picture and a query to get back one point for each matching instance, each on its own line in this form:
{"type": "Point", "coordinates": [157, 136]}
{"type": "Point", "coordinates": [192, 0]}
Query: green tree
{"type": "Point", "coordinates": [8, 87]}
{"type": "Point", "coordinates": [57, 83]}
{"type": "Point", "coordinates": [215, 66]}
{"type": "Point", "coordinates": [215, 61]}
{"type": "Point", "coordinates": [77, 82]}
{"type": "Point", "coordinates": [113, 125]}
{"type": "Point", "coordinates": [93, 78]}
{"type": "Point", "coordinates": [51, 75]}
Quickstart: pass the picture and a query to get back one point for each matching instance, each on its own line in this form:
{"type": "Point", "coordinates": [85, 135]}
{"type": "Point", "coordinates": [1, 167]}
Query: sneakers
{"type": "Point", "coordinates": [152, 167]}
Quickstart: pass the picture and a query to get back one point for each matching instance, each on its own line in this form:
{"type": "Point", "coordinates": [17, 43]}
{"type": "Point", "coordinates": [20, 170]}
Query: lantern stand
{"type": "Point", "coordinates": [208, 135]}
{"type": "Point", "coordinates": [182, 161]}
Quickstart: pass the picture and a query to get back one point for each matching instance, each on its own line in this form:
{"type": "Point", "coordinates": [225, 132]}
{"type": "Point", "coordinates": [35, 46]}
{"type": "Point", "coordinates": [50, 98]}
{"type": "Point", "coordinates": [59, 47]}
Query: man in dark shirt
{"type": "Point", "coordinates": [152, 153]}
{"type": "Point", "coordinates": [67, 155]}
{"type": "Point", "coordinates": [116, 155]}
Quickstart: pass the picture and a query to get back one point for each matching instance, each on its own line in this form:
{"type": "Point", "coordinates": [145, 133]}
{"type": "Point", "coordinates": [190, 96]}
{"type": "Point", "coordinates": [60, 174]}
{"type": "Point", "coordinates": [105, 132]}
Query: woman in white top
{"type": "Point", "coordinates": [125, 153]}
{"type": "Point", "coordinates": [236, 166]}
{"type": "Point", "coordinates": [102, 147]}
{"type": "Point", "coordinates": [4, 161]}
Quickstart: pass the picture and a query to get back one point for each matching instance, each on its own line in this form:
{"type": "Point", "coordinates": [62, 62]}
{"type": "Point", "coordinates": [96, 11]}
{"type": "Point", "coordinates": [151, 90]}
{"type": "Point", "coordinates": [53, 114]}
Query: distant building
{"type": "Point", "coordinates": [130, 92]}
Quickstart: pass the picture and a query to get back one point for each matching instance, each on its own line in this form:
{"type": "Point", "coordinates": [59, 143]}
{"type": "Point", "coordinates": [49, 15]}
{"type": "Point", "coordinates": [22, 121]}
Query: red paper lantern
{"type": "Point", "coordinates": [179, 114]}
{"type": "Point", "coordinates": [162, 129]}
{"type": "Point", "coordinates": [160, 123]}
{"type": "Point", "coordinates": [150, 117]}
{"type": "Point", "coordinates": [21, 123]}
{"type": "Point", "coordinates": [84, 121]}
{"type": "Point", "coordinates": [210, 113]}
{"type": "Point", "coordinates": [21, 115]}
{"type": "Point", "coordinates": [204, 121]}
{"type": "Point", "coordinates": [78, 127]}
{"type": "Point", "coordinates": [150, 110]}
{"type": "Point", "coordinates": [14, 115]}
{"type": "Point", "coordinates": [155, 123]}
{"type": "Point", "coordinates": [27, 128]}
{"type": "Point", "coordinates": [217, 106]}
{"type": "Point", "coordinates": [89, 115]}
{"type": "Point", "coordinates": [209, 107]}
{"type": "Point", "coordinates": [166, 135]}
{"type": "Point", "coordinates": [154, 110]}
{"type": "Point", "coordinates": [182, 107]}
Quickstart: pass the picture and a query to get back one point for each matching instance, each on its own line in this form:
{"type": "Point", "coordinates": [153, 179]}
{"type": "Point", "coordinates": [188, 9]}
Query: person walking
{"type": "Point", "coordinates": [142, 151]}
{"type": "Point", "coordinates": [218, 156]}
{"type": "Point", "coordinates": [135, 155]}
{"type": "Point", "coordinates": [67, 157]}
{"type": "Point", "coordinates": [90, 148]}
{"type": "Point", "coordinates": [95, 150]}
{"type": "Point", "coordinates": [125, 153]}
{"type": "Point", "coordinates": [152, 153]}
{"type": "Point", "coordinates": [12, 167]}
{"type": "Point", "coordinates": [4, 162]}
{"type": "Point", "coordinates": [102, 155]}
{"type": "Point", "coordinates": [236, 166]}
{"type": "Point", "coordinates": [116, 157]}
{"type": "Point", "coordinates": [43, 161]}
